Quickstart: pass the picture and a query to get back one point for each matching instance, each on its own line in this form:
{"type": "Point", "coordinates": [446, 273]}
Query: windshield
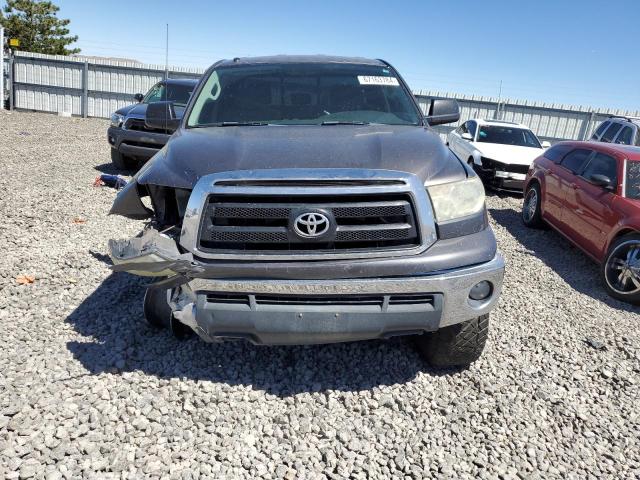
{"type": "Point", "coordinates": [303, 94]}
{"type": "Point", "coordinates": [632, 181]}
{"type": "Point", "coordinates": [178, 94]}
{"type": "Point", "coordinates": [508, 136]}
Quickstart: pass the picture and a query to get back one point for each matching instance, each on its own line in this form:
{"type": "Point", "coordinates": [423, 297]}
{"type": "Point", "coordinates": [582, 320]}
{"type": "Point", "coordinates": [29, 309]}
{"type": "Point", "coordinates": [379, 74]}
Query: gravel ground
{"type": "Point", "coordinates": [87, 390]}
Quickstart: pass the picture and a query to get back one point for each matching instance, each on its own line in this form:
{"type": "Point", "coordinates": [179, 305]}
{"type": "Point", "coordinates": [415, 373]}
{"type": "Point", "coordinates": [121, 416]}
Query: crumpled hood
{"type": "Point", "coordinates": [193, 153]}
{"type": "Point", "coordinates": [512, 154]}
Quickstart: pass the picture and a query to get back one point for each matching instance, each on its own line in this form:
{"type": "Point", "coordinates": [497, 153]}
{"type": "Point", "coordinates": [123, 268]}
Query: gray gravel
{"type": "Point", "coordinates": [87, 390]}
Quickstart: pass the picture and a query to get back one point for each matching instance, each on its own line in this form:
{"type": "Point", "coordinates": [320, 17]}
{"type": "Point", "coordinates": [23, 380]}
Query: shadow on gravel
{"type": "Point", "coordinates": [108, 168]}
{"type": "Point", "coordinates": [111, 170]}
{"type": "Point", "coordinates": [119, 340]}
{"type": "Point", "coordinates": [575, 268]}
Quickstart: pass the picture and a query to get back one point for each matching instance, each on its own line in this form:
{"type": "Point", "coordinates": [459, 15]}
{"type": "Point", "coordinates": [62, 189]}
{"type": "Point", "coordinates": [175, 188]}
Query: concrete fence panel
{"type": "Point", "coordinates": [97, 87]}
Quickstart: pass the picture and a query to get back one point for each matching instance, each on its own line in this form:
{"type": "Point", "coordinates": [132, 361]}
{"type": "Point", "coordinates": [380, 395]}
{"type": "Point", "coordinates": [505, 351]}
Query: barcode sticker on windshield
{"type": "Point", "coordinates": [372, 80]}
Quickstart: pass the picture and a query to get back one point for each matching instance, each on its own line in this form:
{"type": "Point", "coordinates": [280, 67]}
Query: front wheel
{"type": "Point", "coordinates": [457, 345]}
{"type": "Point", "coordinates": [157, 311]}
{"type": "Point", "coordinates": [620, 270]}
{"type": "Point", "coordinates": [531, 211]}
{"type": "Point", "coordinates": [120, 161]}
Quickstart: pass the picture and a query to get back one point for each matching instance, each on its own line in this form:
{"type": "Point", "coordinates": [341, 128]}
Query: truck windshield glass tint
{"type": "Point", "coordinates": [633, 180]}
{"type": "Point", "coordinates": [508, 136]}
{"type": "Point", "coordinates": [178, 94]}
{"type": "Point", "coordinates": [303, 94]}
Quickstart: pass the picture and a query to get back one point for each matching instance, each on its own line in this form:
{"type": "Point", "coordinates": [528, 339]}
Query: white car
{"type": "Point", "coordinates": [501, 152]}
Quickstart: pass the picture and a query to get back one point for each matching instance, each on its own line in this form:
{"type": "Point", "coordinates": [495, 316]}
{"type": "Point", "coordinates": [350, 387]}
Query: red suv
{"type": "Point", "coordinates": [590, 193]}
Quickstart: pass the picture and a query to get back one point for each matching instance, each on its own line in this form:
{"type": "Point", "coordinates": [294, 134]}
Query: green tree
{"type": "Point", "coordinates": [37, 27]}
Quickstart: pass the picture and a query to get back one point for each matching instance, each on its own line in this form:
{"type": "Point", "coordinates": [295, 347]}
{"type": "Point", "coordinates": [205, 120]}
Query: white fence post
{"type": "Point", "coordinates": [85, 90]}
{"type": "Point", "coordinates": [1, 68]}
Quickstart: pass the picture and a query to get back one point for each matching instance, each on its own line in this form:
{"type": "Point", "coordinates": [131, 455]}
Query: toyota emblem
{"type": "Point", "coordinates": [311, 224]}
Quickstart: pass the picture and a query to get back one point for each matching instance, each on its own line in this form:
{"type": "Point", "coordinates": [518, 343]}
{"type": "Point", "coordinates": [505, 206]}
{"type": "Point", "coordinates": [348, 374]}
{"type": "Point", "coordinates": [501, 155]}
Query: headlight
{"type": "Point", "coordinates": [457, 199]}
{"type": "Point", "coordinates": [116, 120]}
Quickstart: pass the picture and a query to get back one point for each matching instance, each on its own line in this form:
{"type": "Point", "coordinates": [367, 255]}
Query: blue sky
{"type": "Point", "coordinates": [580, 52]}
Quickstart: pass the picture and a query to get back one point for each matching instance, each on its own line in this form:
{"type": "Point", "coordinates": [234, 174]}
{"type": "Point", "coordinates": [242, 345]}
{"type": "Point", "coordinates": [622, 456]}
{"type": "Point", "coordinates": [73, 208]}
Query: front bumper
{"type": "Point", "coordinates": [136, 143]}
{"type": "Point", "coordinates": [211, 307]}
{"type": "Point", "coordinates": [306, 311]}
{"type": "Point", "coordinates": [499, 176]}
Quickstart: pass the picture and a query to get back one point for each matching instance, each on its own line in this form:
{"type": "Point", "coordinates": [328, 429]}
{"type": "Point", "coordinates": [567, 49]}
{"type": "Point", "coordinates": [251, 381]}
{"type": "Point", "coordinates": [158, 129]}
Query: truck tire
{"type": "Point", "coordinates": [156, 308]}
{"type": "Point", "coordinates": [531, 207]}
{"type": "Point", "coordinates": [120, 161]}
{"type": "Point", "coordinates": [619, 270]}
{"type": "Point", "coordinates": [457, 345]}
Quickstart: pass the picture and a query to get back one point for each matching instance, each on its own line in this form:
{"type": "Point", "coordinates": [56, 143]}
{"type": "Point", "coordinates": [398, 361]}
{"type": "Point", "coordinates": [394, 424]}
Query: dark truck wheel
{"type": "Point", "coordinates": [120, 161]}
{"type": "Point", "coordinates": [457, 345]}
{"type": "Point", "coordinates": [156, 308]}
{"type": "Point", "coordinates": [531, 212]}
{"type": "Point", "coordinates": [620, 270]}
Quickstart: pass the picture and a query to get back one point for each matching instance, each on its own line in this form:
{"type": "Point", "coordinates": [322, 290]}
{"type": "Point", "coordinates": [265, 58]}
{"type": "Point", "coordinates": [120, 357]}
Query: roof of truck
{"type": "Point", "coordinates": [275, 59]}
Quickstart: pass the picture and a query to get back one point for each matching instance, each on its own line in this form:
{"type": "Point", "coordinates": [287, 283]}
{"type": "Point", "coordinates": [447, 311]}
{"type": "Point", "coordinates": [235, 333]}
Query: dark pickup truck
{"type": "Point", "coordinates": [131, 140]}
{"type": "Point", "coordinates": [306, 199]}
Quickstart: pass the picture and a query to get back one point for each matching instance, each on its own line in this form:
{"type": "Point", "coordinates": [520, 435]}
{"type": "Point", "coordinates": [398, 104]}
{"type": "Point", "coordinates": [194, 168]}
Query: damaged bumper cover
{"type": "Point", "coordinates": [302, 311]}
{"type": "Point", "coordinates": [153, 254]}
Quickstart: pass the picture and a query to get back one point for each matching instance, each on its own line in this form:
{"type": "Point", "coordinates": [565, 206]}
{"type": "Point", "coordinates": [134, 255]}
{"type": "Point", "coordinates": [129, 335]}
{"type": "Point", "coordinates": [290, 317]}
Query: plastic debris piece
{"type": "Point", "coordinates": [113, 181]}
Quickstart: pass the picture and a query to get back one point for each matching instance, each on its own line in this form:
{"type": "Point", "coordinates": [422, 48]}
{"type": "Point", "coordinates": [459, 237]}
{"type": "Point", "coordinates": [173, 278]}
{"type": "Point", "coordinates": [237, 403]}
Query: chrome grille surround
{"type": "Point", "coordinates": [308, 182]}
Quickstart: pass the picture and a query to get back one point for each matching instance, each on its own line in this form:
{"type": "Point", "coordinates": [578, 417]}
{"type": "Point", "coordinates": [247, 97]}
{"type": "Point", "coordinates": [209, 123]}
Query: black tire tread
{"type": "Point", "coordinates": [157, 311]}
{"type": "Point", "coordinates": [120, 161]}
{"type": "Point", "coordinates": [456, 345]}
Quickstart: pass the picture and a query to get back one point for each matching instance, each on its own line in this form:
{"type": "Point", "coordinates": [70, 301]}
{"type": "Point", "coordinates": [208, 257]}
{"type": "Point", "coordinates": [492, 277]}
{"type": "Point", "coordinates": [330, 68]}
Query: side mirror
{"type": "Point", "coordinates": [161, 115]}
{"type": "Point", "coordinates": [466, 136]}
{"type": "Point", "coordinates": [138, 97]}
{"type": "Point", "coordinates": [443, 110]}
{"type": "Point", "coordinates": [546, 144]}
{"type": "Point", "coordinates": [601, 181]}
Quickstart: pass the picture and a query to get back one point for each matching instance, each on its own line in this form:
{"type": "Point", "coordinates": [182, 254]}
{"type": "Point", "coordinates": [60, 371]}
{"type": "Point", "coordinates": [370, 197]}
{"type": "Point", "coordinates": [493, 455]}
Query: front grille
{"type": "Point", "coordinates": [264, 223]}
{"type": "Point", "coordinates": [515, 168]}
{"type": "Point", "coordinates": [381, 301]}
{"type": "Point", "coordinates": [139, 125]}
{"type": "Point", "coordinates": [488, 164]}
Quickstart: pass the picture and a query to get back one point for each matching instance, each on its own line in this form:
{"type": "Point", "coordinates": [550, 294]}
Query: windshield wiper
{"type": "Point", "coordinates": [342, 122]}
{"type": "Point", "coordinates": [240, 124]}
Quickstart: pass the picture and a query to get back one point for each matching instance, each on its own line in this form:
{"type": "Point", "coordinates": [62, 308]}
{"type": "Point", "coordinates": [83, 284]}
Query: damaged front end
{"type": "Point", "coordinates": [315, 294]}
{"type": "Point", "coordinates": [156, 252]}
{"type": "Point", "coordinates": [151, 254]}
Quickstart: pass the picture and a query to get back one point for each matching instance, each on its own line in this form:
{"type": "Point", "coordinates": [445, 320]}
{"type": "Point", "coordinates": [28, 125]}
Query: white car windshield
{"type": "Point", "coordinates": [508, 136]}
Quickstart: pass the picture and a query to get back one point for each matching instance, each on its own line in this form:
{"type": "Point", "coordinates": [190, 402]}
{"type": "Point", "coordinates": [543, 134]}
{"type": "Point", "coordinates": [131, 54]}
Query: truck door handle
{"type": "Point", "coordinates": [574, 186]}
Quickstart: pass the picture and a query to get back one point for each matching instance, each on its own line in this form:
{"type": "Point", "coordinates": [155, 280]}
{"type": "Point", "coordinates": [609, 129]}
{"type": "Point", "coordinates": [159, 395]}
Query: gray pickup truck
{"type": "Point", "coordinates": [131, 140]}
{"type": "Point", "coordinates": [305, 199]}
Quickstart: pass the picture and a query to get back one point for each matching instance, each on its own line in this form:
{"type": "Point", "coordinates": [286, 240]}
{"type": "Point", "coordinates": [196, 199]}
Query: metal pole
{"type": "Point", "coordinates": [12, 76]}
{"type": "Point", "coordinates": [1, 68]}
{"type": "Point", "coordinates": [587, 125]}
{"type": "Point", "coordinates": [166, 55]}
{"type": "Point", "coordinates": [85, 90]}
{"type": "Point", "coordinates": [499, 100]}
